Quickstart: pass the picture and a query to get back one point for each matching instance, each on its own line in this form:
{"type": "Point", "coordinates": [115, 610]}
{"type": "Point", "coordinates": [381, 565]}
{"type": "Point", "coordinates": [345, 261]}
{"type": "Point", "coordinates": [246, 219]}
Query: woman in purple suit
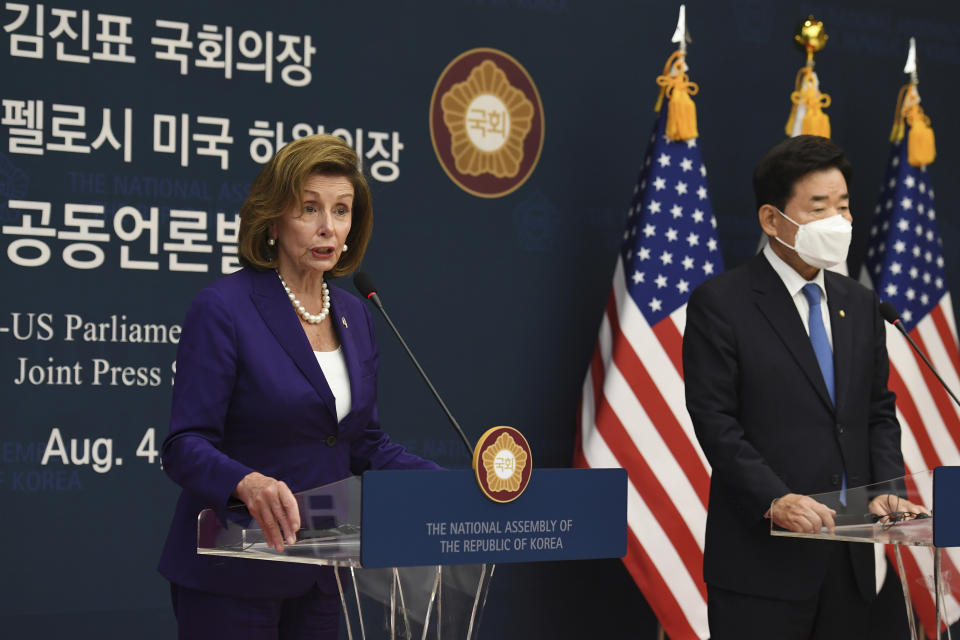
{"type": "Point", "coordinates": [275, 393]}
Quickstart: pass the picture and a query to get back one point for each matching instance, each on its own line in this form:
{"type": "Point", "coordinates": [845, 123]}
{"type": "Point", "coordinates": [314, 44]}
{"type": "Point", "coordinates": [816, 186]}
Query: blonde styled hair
{"type": "Point", "coordinates": [278, 187]}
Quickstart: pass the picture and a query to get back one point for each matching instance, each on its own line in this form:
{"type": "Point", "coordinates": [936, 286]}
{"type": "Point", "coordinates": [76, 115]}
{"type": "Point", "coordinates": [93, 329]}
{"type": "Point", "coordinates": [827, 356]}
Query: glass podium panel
{"type": "Point", "coordinates": [395, 603]}
{"type": "Point", "coordinates": [329, 532]}
{"type": "Point", "coordinates": [899, 513]}
{"type": "Point", "coordinates": [415, 602]}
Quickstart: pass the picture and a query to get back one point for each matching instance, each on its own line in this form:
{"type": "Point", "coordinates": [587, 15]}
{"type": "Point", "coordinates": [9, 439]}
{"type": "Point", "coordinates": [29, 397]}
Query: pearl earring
{"type": "Point", "coordinates": [345, 247]}
{"type": "Point", "coordinates": [271, 242]}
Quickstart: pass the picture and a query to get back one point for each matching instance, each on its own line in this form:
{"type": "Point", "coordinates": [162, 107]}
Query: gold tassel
{"type": "Point", "coordinates": [897, 131]}
{"type": "Point", "coordinates": [794, 101]}
{"type": "Point", "coordinates": [815, 121]}
{"type": "Point", "coordinates": [921, 146]}
{"type": "Point", "coordinates": [681, 117]}
{"type": "Point", "coordinates": [675, 85]}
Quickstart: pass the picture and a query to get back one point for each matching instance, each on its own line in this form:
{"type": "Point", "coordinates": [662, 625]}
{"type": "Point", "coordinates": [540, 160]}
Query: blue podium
{"type": "Point", "coordinates": [423, 545]}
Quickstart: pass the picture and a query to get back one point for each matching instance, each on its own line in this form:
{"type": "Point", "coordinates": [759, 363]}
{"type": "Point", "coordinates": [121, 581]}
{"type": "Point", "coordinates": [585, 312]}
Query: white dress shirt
{"type": "Point", "coordinates": [794, 283]}
{"type": "Point", "coordinates": [334, 367]}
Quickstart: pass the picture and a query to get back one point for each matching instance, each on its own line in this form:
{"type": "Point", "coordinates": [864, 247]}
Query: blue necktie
{"type": "Point", "coordinates": [818, 336]}
{"type": "Point", "coordinates": [821, 347]}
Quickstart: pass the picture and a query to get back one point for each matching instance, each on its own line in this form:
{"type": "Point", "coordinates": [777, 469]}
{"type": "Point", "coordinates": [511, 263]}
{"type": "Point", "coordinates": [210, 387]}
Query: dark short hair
{"type": "Point", "coordinates": [280, 185]}
{"type": "Point", "coordinates": [778, 172]}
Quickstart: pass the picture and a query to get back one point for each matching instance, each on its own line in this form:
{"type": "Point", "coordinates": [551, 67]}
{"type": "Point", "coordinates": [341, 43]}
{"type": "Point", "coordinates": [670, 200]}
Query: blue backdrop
{"type": "Point", "coordinates": [129, 134]}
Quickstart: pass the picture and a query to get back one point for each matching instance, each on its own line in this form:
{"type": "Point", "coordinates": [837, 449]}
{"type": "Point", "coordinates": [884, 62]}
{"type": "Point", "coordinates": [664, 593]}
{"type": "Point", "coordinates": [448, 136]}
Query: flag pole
{"type": "Point", "coordinates": [681, 36]}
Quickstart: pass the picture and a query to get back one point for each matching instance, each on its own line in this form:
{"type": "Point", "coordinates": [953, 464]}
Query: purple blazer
{"type": "Point", "coordinates": [250, 396]}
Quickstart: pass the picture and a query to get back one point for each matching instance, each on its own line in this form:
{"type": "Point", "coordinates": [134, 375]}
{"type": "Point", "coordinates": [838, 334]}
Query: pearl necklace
{"type": "Point", "coordinates": [309, 317]}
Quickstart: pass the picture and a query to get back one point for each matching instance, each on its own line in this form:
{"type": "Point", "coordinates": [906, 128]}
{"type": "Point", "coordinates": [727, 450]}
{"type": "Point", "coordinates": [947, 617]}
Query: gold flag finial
{"type": "Point", "coordinates": [811, 37]}
{"type": "Point", "coordinates": [806, 112]}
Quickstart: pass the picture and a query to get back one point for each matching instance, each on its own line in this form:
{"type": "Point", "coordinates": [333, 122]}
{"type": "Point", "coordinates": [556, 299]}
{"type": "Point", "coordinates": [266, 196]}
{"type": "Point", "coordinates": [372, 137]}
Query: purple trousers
{"type": "Point", "coordinates": [315, 615]}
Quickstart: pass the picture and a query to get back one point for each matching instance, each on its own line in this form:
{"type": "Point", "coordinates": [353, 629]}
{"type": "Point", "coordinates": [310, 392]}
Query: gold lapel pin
{"type": "Point", "coordinates": [343, 319]}
{"type": "Point", "coordinates": [843, 314]}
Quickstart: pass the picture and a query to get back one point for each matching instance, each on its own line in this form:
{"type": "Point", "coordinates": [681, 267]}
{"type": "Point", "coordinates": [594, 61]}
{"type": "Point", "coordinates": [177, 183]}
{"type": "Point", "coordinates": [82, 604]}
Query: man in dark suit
{"type": "Point", "coordinates": [786, 368]}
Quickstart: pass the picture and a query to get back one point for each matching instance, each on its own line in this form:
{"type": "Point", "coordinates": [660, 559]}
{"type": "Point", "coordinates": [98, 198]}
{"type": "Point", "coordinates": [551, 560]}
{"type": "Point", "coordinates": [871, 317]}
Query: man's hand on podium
{"type": "Point", "coordinates": [272, 505]}
{"type": "Point", "coordinates": [895, 506]}
{"type": "Point", "coordinates": [801, 514]}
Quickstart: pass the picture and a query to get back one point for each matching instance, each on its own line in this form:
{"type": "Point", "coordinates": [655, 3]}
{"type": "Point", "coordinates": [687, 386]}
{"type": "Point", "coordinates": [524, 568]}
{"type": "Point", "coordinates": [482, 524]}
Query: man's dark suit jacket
{"type": "Point", "coordinates": [766, 423]}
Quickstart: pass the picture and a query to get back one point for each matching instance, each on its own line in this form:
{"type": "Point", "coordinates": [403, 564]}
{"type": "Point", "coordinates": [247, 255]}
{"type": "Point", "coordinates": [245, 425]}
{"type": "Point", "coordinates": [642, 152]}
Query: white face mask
{"type": "Point", "coordinates": [821, 243]}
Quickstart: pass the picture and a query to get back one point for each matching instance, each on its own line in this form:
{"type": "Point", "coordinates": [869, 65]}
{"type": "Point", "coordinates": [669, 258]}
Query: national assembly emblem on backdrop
{"type": "Point", "coordinates": [486, 122]}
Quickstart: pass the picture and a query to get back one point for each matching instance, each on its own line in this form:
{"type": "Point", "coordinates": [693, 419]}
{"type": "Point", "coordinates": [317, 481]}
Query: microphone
{"type": "Point", "coordinates": [891, 315]}
{"type": "Point", "coordinates": [364, 284]}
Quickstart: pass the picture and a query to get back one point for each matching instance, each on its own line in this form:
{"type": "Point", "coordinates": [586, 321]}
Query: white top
{"type": "Point", "coordinates": [334, 367]}
{"type": "Point", "coordinates": [794, 283]}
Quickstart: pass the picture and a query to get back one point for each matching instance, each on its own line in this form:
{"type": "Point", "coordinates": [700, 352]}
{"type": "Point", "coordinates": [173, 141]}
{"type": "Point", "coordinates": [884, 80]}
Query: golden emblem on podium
{"type": "Point", "coordinates": [486, 123]}
{"type": "Point", "coordinates": [502, 462]}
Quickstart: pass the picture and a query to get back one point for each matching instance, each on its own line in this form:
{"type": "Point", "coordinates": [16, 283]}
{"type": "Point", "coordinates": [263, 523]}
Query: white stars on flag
{"type": "Point", "coordinates": [672, 184]}
{"type": "Point", "coordinates": [910, 274]}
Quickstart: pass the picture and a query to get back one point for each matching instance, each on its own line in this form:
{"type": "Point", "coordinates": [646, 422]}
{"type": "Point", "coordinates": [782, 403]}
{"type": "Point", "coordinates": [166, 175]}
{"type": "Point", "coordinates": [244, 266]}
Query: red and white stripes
{"type": "Point", "coordinates": [930, 428]}
{"type": "Point", "coordinates": [634, 415]}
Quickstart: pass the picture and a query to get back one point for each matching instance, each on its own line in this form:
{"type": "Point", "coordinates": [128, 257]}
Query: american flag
{"type": "Point", "coordinates": [633, 414]}
{"type": "Point", "coordinates": [905, 265]}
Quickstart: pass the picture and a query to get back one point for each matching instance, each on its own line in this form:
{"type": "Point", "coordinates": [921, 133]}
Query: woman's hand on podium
{"type": "Point", "coordinates": [272, 505]}
{"type": "Point", "coordinates": [801, 514]}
